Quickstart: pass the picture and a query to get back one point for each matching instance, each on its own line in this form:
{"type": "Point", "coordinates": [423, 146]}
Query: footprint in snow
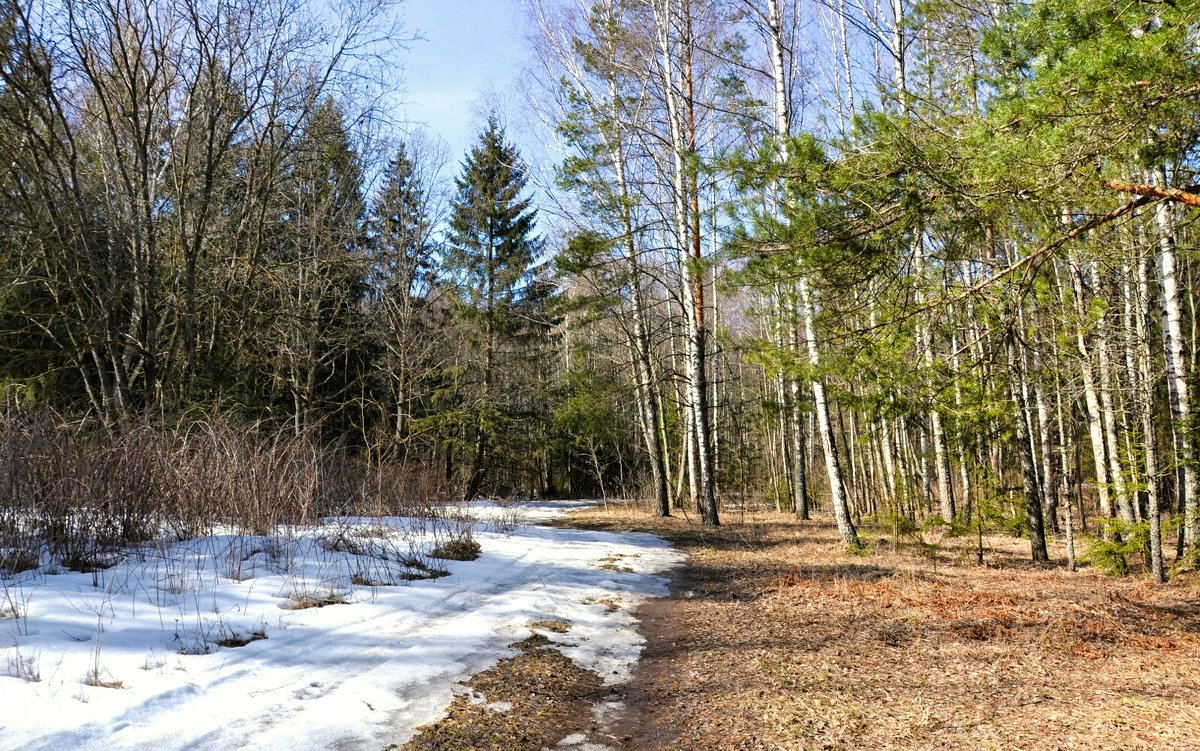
{"type": "Point", "coordinates": [314, 690]}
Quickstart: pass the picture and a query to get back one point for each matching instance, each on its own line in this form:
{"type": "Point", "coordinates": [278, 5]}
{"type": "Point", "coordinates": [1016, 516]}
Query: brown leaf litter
{"type": "Point", "coordinates": [776, 637]}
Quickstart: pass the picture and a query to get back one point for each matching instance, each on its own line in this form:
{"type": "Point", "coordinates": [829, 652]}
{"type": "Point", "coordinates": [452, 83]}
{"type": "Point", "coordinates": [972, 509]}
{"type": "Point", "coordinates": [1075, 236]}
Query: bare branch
{"type": "Point", "coordinates": [1189, 197]}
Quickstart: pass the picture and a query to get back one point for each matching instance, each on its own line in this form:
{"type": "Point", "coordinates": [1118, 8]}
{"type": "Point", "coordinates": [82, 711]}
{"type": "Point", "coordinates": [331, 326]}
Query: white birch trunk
{"type": "Point", "coordinates": [1033, 501]}
{"type": "Point", "coordinates": [782, 112]}
{"type": "Point", "coordinates": [1091, 399]}
{"type": "Point", "coordinates": [837, 488]}
{"type": "Point", "coordinates": [1050, 497]}
{"type": "Point", "coordinates": [1146, 409]}
{"type": "Point", "coordinates": [1168, 264]}
{"type": "Point", "coordinates": [703, 488]}
{"type": "Point", "coordinates": [1132, 377]}
{"type": "Point", "coordinates": [1064, 489]}
{"type": "Point", "coordinates": [647, 392]}
{"type": "Point", "coordinates": [960, 447]}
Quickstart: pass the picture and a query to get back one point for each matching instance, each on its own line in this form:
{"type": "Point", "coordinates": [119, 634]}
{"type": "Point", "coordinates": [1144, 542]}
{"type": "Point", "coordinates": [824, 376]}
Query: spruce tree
{"type": "Point", "coordinates": [404, 277]}
{"type": "Point", "coordinates": [493, 247]}
{"type": "Point", "coordinates": [403, 226]}
{"type": "Point", "coordinates": [315, 343]}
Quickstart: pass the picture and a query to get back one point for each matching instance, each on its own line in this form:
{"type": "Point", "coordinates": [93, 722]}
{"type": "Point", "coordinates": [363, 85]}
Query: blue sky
{"type": "Point", "coordinates": [469, 48]}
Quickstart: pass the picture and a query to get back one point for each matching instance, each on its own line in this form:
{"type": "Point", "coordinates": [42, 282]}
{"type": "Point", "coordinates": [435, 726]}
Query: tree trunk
{"type": "Point", "coordinates": [1109, 412]}
{"type": "Point", "coordinates": [647, 392]}
{"type": "Point", "coordinates": [1046, 435]}
{"type": "Point", "coordinates": [837, 489]}
{"type": "Point", "coordinates": [799, 456]}
{"type": "Point", "coordinates": [960, 443]}
{"type": "Point", "coordinates": [1146, 409]}
{"type": "Point", "coordinates": [1064, 489]}
{"type": "Point", "coordinates": [1180, 401]}
{"type": "Point", "coordinates": [1033, 499]}
{"type": "Point", "coordinates": [683, 134]}
{"type": "Point", "coordinates": [1091, 399]}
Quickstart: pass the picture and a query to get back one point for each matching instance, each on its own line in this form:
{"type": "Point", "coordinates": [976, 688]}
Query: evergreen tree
{"type": "Point", "coordinates": [404, 252]}
{"type": "Point", "coordinates": [493, 247]}
{"type": "Point", "coordinates": [315, 345]}
{"type": "Point", "coordinates": [404, 318]}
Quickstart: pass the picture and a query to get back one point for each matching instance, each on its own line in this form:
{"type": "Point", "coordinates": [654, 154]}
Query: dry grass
{"type": "Point", "coordinates": [95, 679]}
{"type": "Point", "coordinates": [234, 640]}
{"type": "Point", "coordinates": [309, 600]}
{"type": "Point", "coordinates": [22, 666]}
{"type": "Point", "coordinates": [553, 625]}
{"type": "Point", "coordinates": [463, 548]}
{"type": "Point", "coordinates": [778, 639]}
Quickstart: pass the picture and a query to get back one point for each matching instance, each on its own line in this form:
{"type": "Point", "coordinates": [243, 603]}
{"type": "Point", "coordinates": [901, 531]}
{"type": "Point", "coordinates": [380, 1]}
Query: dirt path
{"type": "Point", "coordinates": [776, 638]}
{"type": "Point", "coordinates": [640, 722]}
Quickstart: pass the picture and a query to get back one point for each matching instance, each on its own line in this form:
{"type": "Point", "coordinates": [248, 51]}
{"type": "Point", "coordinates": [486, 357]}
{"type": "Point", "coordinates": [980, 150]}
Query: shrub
{"type": "Point", "coordinates": [23, 667]}
{"type": "Point", "coordinates": [77, 494]}
{"type": "Point", "coordinates": [304, 600]}
{"type": "Point", "coordinates": [1110, 554]}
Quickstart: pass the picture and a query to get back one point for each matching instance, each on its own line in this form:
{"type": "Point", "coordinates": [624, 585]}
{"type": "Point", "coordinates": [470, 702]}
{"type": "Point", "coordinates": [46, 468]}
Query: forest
{"type": "Point", "coordinates": [922, 264]}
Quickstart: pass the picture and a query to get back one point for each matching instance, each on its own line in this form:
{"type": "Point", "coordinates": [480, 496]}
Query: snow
{"type": "Point", "coordinates": [357, 675]}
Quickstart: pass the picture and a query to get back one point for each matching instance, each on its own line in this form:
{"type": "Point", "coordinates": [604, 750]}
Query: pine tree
{"type": "Point", "coordinates": [493, 247]}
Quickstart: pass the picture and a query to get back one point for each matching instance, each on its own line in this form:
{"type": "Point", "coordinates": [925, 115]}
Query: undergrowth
{"type": "Point", "coordinates": [1120, 544]}
{"type": "Point", "coordinates": [76, 495]}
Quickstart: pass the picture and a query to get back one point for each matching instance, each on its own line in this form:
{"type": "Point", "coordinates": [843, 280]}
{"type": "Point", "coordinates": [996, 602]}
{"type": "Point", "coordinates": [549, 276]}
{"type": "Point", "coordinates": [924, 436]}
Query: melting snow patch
{"type": "Point", "coordinates": [606, 711]}
{"type": "Point", "coordinates": [579, 742]}
{"type": "Point", "coordinates": [381, 659]}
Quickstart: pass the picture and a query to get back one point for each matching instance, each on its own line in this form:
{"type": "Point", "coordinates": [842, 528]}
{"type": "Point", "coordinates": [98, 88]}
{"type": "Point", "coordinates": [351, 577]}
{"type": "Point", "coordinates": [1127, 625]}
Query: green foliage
{"type": "Point", "coordinates": [591, 436]}
{"type": "Point", "coordinates": [902, 526]}
{"type": "Point", "coordinates": [492, 240]}
{"type": "Point", "coordinates": [313, 345]}
{"type": "Point", "coordinates": [403, 249]}
{"type": "Point", "coordinates": [1100, 79]}
{"type": "Point", "coordinates": [960, 526]}
{"type": "Point", "coordinates": [28, 393]}
{"type": "Point", "coordinates": [858, 551]}
{"type": "Point", "coordinates": [1012, 522]}
{"type": "Point", "coordinates": [504, 305]}
{"type": "Point", "coordinates": [935, 523]}
{"type": "Point", "coordinates": [1110, 554]}
{"type": "Point", "coordinates": [1189, 563]}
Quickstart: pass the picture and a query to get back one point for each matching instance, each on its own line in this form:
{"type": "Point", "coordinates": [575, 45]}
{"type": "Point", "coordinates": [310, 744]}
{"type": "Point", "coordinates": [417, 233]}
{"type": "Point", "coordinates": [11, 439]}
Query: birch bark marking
{"type": "Point", "coordinates": [644, 368]}
{"type": "Point", "coordinates": [936, 432]}
{"type": "Point", "coordinates": [837, 488]}
{"type": "Point", "coordinates": [1091, 400]}
{"type": "Point", "coordinates": [1050, 494]}
{"type": "Point", "coordinates": [960, 444]}
{"type": "Point", "coordinates": [1033, 500]}
{"type": "Point", "coordinates": [1108, 409]}
{"type": "Point", "coordinates": [1064, 489]}
{"type": "Point", "coordinates": [782, 112]}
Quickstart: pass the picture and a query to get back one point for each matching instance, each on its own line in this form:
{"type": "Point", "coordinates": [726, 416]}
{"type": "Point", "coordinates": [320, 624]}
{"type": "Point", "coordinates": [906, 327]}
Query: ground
{"type": "Point", "coordinates": [345, 634]}
{"type": "Point", "coordinates": [777, 637]}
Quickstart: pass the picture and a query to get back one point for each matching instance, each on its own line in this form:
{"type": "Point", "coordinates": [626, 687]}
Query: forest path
{"type": "Point", "coordinates": [776, 637]}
